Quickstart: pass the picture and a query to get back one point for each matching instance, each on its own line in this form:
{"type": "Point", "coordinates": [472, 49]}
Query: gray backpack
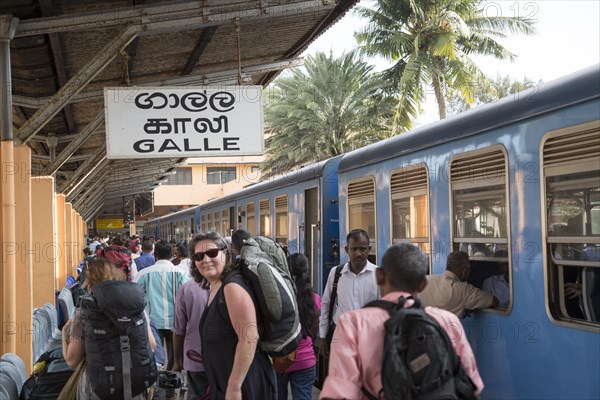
{"type": "Point", "coordinates": [264, 265]}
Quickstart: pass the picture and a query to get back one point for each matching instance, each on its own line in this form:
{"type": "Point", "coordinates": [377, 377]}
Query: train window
{"type": "Point", "coordinates": [203, 223]}
{"type": "Point", "coordinates": [571, 166]}
{"type": "Point", "coordinates": [361, 211]}
{"type": "Point", "coordinates": [225, 222]}
{"type": "Point", "coordinates": [281, 220]}
{"type": "Point", "coordinates": [410, 210]}
{"type": "Point", "coordinates": [480, 216]}
{"type": "Point", "coordinates": [251, 218]}
{"type": "Point", "coordinates": [217, 222]}
{"type": "Point", "coordinates": [265, 218]}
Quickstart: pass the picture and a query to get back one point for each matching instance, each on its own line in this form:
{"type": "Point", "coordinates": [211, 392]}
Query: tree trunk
{"type": "Point", "coordinates": [439, 98]}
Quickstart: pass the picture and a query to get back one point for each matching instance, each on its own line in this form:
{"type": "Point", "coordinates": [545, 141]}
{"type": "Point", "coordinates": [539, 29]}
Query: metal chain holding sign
{"type": "Point", "coordinates": [125, 78]}
{"type": "Point", "coordinates": [236, 24]}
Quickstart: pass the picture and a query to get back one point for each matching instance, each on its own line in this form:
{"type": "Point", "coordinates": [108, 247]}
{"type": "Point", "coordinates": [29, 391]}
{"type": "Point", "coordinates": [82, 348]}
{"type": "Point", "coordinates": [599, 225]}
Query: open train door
{"type": "Point", "coordinates": [233, 224]}
{"type": "Point", "coordinates": [311, 233]}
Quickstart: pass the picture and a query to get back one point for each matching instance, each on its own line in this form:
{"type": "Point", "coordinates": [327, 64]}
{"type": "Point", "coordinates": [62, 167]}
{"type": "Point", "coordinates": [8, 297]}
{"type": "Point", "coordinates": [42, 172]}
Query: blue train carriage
{"type": "Point", "coordinates": [152, 227]}
{"type": "Point", "coordinates": [514, 182]}
{"type": "Point", "coordinates": [179, 226]}
{"type": "Point", "coordinates": [298, 210]}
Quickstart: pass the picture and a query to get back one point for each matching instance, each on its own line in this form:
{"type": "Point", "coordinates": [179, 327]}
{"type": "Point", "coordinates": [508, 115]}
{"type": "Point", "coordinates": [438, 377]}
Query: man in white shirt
{"type": "Point", "coordinates": [357, 284]}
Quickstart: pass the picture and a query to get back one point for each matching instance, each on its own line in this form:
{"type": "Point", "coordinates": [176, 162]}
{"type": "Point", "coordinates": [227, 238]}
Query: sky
{"type": "Point", "coordinates": [567, 40]}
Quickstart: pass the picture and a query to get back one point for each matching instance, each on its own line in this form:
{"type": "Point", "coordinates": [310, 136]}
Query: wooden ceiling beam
{"type": "Point", "coordinates": [57, 55]}
{"type": "Point", "coordinates": [172, 17]}
{"type": "Point", "coordinates": [203, 41]}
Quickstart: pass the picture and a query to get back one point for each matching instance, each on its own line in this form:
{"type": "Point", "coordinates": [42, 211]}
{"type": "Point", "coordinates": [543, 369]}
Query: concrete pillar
{"type": "Point", "coordinates": [68, 249]}
{"type": "Point", "coordinates": [8, 250]}
{"type": "Point", "coordinates": [44, 240]}
{"type": "Point", "coordinates": [27, 252]}
{"type": "Point", "coordinates": [61, 267]}
{"type": "Point", "coordinates": [75, 249]}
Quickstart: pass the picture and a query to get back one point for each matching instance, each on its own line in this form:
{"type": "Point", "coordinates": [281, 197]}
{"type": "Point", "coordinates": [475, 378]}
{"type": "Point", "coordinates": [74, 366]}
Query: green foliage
{"type": "Point", "coordinates": [332, 106]}
{"type": "Point", "coordinates": [488, 90]}
{"type": "Point", "coordinates": [430, 43]}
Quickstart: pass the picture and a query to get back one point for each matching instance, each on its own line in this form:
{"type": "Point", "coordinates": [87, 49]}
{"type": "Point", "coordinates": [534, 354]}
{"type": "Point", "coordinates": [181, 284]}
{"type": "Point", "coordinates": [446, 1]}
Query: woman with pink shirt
{"type": "Point", "coordinates": [302, 372]}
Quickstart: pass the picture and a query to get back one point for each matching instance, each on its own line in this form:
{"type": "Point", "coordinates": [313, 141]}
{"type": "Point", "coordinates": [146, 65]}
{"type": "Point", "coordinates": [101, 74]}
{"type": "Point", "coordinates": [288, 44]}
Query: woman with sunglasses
{"type": "Point", "coordinates": [235, 367]}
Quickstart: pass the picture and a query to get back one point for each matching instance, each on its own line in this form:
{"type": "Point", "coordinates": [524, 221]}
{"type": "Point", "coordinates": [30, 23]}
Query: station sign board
{"type": "Point", "coordinates": [170, 122]}
{"type": "Point", "coordinates": [108, 223]}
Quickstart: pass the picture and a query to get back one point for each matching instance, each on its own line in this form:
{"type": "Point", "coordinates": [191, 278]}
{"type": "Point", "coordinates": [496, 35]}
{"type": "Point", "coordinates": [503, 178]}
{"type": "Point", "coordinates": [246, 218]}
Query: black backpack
{"type": "Point", "coordinates": [120, 363]}
{"type": "Point", "coordinates": [50, 375]}
{"type": "Point", "coordinates": [419, 361]}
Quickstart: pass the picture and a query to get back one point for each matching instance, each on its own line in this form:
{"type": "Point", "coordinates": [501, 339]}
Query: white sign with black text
{"type": "Point", "coordinates": [168, 122]}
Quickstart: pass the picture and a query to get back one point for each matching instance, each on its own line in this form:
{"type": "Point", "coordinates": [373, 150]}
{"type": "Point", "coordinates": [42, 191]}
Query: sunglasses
{"type": "Point", "coordinates": [211, 253]}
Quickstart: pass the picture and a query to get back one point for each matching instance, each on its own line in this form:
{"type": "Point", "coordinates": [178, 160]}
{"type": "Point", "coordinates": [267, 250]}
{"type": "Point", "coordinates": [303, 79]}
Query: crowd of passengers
{"type": "Point", "coordinates": [186, 285]}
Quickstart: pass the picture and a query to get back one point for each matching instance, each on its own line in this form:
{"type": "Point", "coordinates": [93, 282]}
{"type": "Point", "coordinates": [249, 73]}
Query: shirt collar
{"type": "Point", "coordinates": [395, 296]}
{"type": "Point", "coordinates": [452, 275]}
{"type": "Point", "coordinates": [369, 267]}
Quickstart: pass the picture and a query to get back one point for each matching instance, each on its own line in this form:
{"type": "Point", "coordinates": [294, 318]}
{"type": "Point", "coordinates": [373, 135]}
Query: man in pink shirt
{"type": "Point", "coordinates": [357, 346]}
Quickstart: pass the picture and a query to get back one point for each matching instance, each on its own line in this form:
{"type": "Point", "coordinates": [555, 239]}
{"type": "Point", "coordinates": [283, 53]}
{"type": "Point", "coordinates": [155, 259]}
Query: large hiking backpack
{"type": "Point", "coordinates": [50, 374]}
{"type": "Point", "coordinates": [264, 265]}
{"type": "Point", "coordinates": [120, 363]}
{"type": "Point", "coordinates": [419, 360]}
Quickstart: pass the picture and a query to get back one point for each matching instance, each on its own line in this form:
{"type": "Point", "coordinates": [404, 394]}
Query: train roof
{"type": "Point", "coordinates": [173, 214]}
{"type": "Point", "coordinates": [569, 90]}
{"type": "Point", "coordinates": [291, 178]}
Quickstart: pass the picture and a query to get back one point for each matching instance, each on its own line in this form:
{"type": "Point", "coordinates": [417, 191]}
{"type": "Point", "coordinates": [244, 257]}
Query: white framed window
{"type": "Point", "coordinates": [571, 189]}
{"type": "Point", "coordinates": [182, 176]}
{"type": "Point", "coordinates": [220, 175]}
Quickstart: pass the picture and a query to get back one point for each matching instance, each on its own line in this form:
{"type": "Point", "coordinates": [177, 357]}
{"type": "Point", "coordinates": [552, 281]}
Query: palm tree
{"type": "Point", "coordinates": [488, 90]}
{"type": "Point", "coordinates": [430, 43]}
{"type": "Point", "coordinates": [333, 106]}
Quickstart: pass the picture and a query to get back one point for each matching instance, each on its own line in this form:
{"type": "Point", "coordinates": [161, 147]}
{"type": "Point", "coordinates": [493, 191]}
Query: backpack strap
{"type": "Point", "coordinates": [126, 365]}
{"type": "Point", "coordinates": [333, 299]}
{"type": "Point", "coordinates": [389, 306]}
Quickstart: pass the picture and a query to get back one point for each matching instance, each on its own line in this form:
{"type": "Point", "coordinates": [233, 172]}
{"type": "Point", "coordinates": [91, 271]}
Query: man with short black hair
{"type": "Point", "coordinates": [358, 341]}
{"type": "Point", "coordinates": [161, 282]}
{"type": "Point", "coordinates": [146, 259]}
{"type": "Point", "coordinates": [356, 284]}
{"type": "Point", "coordinates": [450, 290]}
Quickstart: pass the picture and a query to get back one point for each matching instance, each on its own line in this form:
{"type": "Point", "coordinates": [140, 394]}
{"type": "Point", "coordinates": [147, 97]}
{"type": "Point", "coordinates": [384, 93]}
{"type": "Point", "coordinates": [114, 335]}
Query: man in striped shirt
{"type": "Point", "coordinates": [161, 282]}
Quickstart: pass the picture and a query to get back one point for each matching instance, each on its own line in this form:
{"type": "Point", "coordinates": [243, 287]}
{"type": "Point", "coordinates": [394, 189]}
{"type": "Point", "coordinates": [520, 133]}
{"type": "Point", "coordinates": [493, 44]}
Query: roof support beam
{"type": "Point", "coordinates": [75, 84]}
{"type": "Point", "coordinates": [77, 158]}
{"type": "Point", "coordinates": [85, 167]}
{"type": "Point", "coordinates": [195, 79]}
{"type": "Point", "coordinates": [94, 210]}
{"type": "Point", "coordinates": [203, 41]}
{"type": "Point", "coordinates": [169, 16]}
{"type": "Point", "coordinates": [74, 145]}
{"type": "Point", "coordinates": [78, 187]}
{"type": "Point", "coordinates": [89, 190]}
{"type": "Point", "coordinates": [57, 56]}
